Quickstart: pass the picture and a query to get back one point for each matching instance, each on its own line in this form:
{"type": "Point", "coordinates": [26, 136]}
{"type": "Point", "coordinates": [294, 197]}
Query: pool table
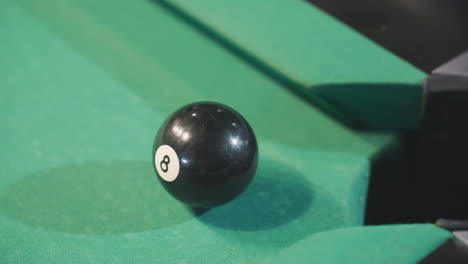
{"type": "Point", "coordinates": [85, 85]}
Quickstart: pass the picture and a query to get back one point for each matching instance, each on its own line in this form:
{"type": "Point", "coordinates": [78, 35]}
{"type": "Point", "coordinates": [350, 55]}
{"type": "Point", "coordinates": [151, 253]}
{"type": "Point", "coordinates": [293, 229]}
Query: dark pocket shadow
{"type": "Point", "coordinates": [375, 106]}
{"type": "Point", "coordinates": [95, 198]}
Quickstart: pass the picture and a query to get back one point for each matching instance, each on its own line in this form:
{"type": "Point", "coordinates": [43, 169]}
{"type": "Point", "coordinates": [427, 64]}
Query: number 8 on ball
{"type": "Point", "coordinates": [166, 162]}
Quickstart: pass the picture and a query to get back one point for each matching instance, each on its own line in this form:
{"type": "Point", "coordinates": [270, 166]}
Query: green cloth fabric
{"type": "Point", "coordinates": [371, 244]}
{"type": "Point", "coordinates": [325, 61]}
{"type": "Point", "coordinates": [84, 87]}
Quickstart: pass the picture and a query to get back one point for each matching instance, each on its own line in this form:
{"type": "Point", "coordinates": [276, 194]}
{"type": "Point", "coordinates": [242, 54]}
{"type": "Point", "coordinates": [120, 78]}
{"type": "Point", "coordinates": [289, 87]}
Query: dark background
{"type": "Point", "coordinates": [425, 33]}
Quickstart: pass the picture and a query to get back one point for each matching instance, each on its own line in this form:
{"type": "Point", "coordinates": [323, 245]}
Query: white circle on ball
{"type": "Point", "coordinates": [166, 162]}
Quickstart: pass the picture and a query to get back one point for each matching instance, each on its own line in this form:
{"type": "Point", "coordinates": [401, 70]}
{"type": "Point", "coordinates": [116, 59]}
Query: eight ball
{"type": "Point", "coordinates": [205, 154]}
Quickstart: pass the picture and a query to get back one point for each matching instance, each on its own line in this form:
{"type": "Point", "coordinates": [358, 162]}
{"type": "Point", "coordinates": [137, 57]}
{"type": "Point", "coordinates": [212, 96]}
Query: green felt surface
{"type": "Point", "coordinates": [83, 90]}
{"type": "Point", "coordinates": [402, 244]}
{"type": "Point", "coordinates": [322, 59]}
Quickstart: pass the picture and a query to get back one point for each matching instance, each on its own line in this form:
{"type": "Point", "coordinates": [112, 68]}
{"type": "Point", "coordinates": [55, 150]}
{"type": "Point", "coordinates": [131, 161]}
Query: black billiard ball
{"type": "Point", "coordinates": [205, 154]}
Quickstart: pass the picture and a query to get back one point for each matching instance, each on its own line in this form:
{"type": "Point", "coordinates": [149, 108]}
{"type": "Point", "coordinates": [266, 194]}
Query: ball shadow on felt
{"type": "Point", "coordinates": [281, 206]}
{"type": "Point", "coordinates": [277, 195]}
{"type": "Point", "coordinates": [101, 197]}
